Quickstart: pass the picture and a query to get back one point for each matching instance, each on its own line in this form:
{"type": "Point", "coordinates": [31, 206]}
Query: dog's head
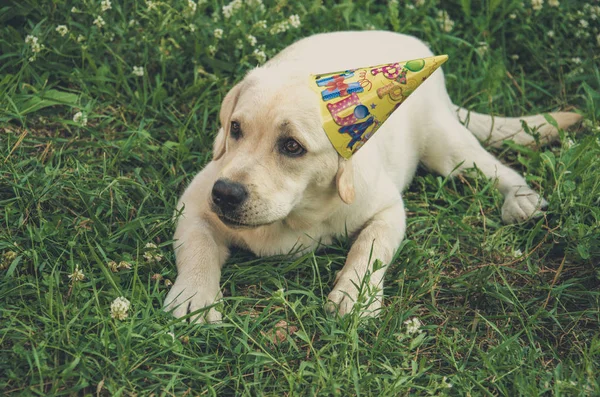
{"type": "Point", "coordinates": [277, 162]}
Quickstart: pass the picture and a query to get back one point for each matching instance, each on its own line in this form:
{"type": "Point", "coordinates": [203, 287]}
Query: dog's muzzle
{"type": "Point", "coordinates": [228, 196]}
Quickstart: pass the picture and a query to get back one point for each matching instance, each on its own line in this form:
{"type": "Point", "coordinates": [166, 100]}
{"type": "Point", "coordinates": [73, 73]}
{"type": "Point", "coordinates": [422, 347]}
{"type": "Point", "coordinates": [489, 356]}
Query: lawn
{"type": "Point", "coordinates": [107, 110]}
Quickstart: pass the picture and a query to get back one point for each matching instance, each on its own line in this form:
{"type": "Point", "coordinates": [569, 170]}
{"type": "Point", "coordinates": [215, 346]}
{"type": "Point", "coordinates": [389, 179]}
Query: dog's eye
{"type": "Point", "coordinates": [291, 147]}
{"type": "Point", "coordinates": [235, 130]}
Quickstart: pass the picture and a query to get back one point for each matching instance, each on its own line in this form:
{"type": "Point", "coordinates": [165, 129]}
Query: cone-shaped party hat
{"type": "Point", "coordinates": [354, 103]}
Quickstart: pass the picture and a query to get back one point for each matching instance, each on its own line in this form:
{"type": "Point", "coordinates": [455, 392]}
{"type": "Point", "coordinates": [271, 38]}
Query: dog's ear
{"type": "Point", "coordinates": [344, 180]}
{"type": "Point", "coordinates": [220, 145]}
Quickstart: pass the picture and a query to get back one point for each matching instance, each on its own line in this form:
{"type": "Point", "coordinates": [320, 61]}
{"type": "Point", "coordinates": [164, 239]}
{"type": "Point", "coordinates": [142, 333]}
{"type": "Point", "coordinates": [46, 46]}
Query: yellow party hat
{"type": "Point", "coordinates": [354, 103]}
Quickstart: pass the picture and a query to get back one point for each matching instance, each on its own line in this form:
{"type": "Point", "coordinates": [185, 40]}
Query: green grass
{"type": "Point", "coordinates": [494, 322]}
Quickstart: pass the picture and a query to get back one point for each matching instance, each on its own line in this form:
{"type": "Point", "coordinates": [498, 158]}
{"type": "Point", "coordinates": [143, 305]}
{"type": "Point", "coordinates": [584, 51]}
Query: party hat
{"type": "Point", "coordinates": [354, 103]}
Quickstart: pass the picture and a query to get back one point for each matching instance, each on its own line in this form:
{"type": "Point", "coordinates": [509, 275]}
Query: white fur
{"type": "Point", "coordinates": [300, 203]}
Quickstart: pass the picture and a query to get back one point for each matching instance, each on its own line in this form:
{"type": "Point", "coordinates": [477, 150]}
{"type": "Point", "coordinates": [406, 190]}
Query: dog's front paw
{"type": "Point", "coordinates": [345, 295]}
{"type": "Point", "coordinates": [521, 205]}
{"type": "Point", "coordinates": [187, 297]}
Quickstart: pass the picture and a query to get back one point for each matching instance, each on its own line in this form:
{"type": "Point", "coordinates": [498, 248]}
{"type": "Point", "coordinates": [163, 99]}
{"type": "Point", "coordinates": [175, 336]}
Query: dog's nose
{"type": "Point", "coordinates": [228, 195]}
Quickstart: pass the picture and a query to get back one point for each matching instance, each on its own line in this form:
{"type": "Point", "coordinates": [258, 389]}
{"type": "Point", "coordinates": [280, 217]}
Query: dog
{"type": "Point", "coordinates": [276, 184]}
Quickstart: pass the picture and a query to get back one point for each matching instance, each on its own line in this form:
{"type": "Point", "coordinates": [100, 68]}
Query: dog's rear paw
{"type": "Point", "coordinates": [521, 205]}
{"type": "Point", "coordinates": [345, 295]}
{"type": "Point", "coordinates": [184, 298]}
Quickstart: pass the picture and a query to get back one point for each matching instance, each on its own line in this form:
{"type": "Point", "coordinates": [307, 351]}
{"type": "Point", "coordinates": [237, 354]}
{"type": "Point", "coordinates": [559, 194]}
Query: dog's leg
{"type": "Point", "coordinates": [359, 277]}
{"type": "Point", "coordinates": [200, 251]}
{"type": "Point", "coordinates": [199, 261]}
{"type": "Point", "coordinates": [451, 148]}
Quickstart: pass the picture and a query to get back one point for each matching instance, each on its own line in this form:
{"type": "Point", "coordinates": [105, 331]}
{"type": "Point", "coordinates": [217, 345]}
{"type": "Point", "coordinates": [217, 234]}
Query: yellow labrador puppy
{"type": "Point", "coordinates": [276, 183]}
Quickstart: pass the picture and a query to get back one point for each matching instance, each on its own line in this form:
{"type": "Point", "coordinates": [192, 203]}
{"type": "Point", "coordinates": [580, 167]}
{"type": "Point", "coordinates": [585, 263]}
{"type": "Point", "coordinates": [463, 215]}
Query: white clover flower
{"type": "Point", "coordinates": [254, 3]}
{"type": "Point", "coordinates": [74, 10]}
{"type": "Point", "coordinates": [99, 21]}
{"type": "Point", "coordinates": [517, 253]}
{"type": "Point", "coordinates": [227, 11]}
{"type": "Point", "coordinates": [105, 5]}
{"type": "Point", "coordinates": [260, 55]}
{"type": "Point", "coordinates": [294, 21]}
{"type": "Point", "coordinates": [513, 16]}
{"type": "Point", "coordinates": [119, 308]}
{"type": "Point", "coordinates": [446, 23]}
{"type": "Point", "coordinates": [151, 5]}
{"type": "Point", "coordinates": [251, 39]}
{"type": "Point", "coordinates": [576, 60]}
{"type": "Point", "coordinates": [152, 253]}
{"type": "Point", "coordinates": [80, 119]}
{"type": "Point", "coordinates": [132, 22]}
{"type": "Point", "coordinates": [239, 44]}
{"type": "Point", "coordinates": [115, 267]}
{"type": "Point", "coordinates": [231, 8]}
{"type": "Point", "coordinates": [446, 382]}
{"type": "Point", "coordinates": [192, 27]}
{"type": "Point", "coordinates": [262, 24]}
{"type": "Point", "coordinates": [279, 295]}
{"type": "Point", "coordinates": [482, 48]}
{"type": "Point", "coordinates": [553, 3]}
{"type": "Point", "coordinates": [413, 325]}
{"type": "Point", "coordinates": [420, 3]}
{"type": "Point", "coordinates": [218, 33]}
{"type": "Point", "coordinates": [138, 71]}
{"type": "Point", "coordinates": [77, 275]}
{"type": "Point", "coordinates": [583, 23]}
{"type": "Point", "coordinates": [192, 6]}
{"type": "Point", "coordinates": [569, 143]}
{"type": "Point", "coordinates": [124, 265]}
{"type": "Point", "coordinates": [112, 265]}
{"type": "Point", "coordinates": [410, 6]}
{"type": "Point", "coordinates": [80, 38]}
{"type": "Point", "coordinates": [280, 27]}
{"type": "Point", "coordinates": [537, 4]}
{"type": "Point", "coordinates": [550, 33]}
{"type": "Point", "coordinates": [212, 50]}
{"type": "Point", "coordinates": [9, 256]}
{"type": "Point", "coordinates": [33, 42]}
{"type": "Point", "coordinates": [62, 30]}
{"type": "Point", "coordinates": [514, 57]}
{"type": "Point", "coordinates": [370, 26]}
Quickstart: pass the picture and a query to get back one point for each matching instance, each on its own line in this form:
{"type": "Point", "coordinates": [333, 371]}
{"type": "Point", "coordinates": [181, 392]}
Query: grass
{"type": "Point", "coordinates": [506, 310]}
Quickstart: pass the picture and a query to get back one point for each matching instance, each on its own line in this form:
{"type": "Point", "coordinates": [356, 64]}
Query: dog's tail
{"type": "Point", "coordinates": [492, 131]}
